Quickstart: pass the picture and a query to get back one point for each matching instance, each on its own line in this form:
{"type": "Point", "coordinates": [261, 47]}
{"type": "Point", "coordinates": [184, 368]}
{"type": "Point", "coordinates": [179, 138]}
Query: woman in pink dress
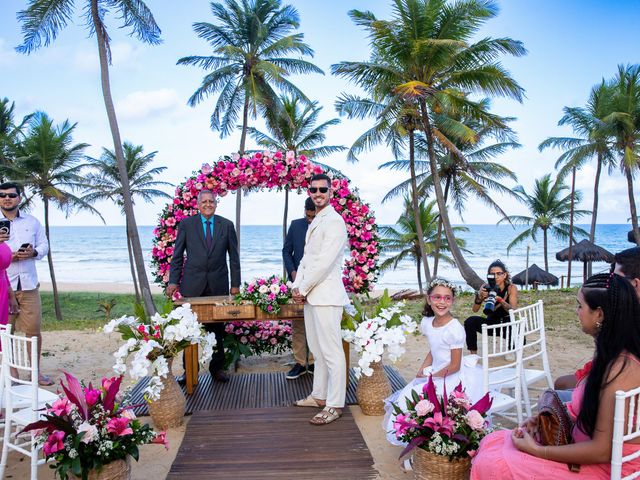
{"type": "Point", "coordinates": [8, 302]}
{"type": "Point", "coordinates": [608, 309]}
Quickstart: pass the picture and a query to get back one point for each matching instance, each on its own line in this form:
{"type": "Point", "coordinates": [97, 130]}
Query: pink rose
{"type": "Point", "coordinates": [424, 407]}
{"type": "Point", "coordinates": [474, 420]}
{"type": "Point", "coordinates": [91, 396]}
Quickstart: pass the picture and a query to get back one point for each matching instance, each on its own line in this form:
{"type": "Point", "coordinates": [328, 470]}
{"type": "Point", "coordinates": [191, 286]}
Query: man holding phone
{"type": "Point", "coordinates": [28, 242]}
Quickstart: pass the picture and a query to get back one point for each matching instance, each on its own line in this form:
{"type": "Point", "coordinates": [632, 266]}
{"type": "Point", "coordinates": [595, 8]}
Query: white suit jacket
{"type": "Point", "coordinates": [319, 275]}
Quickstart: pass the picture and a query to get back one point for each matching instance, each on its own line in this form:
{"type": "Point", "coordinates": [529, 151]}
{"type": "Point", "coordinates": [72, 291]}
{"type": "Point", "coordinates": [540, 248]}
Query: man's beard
{"type": "Point", "coordinates": [10, 209]}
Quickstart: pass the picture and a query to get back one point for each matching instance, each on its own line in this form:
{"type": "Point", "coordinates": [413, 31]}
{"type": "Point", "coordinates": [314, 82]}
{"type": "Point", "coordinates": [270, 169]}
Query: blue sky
{"type": "Point", "coordinates": [572, 45]}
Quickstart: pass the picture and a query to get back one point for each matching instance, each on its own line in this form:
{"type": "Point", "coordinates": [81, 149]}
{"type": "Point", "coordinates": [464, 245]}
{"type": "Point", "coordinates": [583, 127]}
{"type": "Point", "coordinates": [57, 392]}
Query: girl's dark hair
{"type": "Point", "coordinates": [427, 311]}
{"type": "Point", "coordinates": [500, 264]}
{"type": "Point", "coordinates": [620, 332]}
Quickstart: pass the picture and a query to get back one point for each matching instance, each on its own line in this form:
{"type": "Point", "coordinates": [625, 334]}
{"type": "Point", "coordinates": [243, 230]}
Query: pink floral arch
{"type": "Point", "coordinates": [272, 170]}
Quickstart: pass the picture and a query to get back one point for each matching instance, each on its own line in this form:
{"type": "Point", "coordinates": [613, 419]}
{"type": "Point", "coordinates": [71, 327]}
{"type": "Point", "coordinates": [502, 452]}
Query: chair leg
{"type": "Point", "coordinates": [5, 445]}
{"type": "Point", "coordinates": [34, 458]}
{"type": "Point", "coordinates": [525, 395]}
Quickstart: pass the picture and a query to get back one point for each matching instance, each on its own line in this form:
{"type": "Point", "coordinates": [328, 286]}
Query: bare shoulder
{"type": "Point", "coordinates": [625, 372]}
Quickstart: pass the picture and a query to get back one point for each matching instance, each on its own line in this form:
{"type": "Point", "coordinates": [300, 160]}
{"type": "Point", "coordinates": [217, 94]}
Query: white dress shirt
{"type": "Point", "coordinates": [26, 228]}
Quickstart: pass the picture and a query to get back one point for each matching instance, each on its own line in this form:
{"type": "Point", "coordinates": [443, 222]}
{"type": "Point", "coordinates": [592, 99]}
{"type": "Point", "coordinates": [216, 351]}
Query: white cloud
{"type": "Point", "coordinates": [123, 54]}
{"type": "Point", "coordinates": [142, 104]}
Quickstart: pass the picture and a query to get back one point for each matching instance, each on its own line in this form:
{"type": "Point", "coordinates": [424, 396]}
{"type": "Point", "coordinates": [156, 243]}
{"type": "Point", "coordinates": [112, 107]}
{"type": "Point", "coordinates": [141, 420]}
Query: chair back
{"type": "Point", "coordinates": [627, 407]}
{"type": "Point", "coordinates": [20, 353]}
{"type": "Point", "coordinates": [535, 340]}
{"type": "Point", "coordinates": [497, 341]}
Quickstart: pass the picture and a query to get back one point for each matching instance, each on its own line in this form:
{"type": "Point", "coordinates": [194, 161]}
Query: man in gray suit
{"type": "Point", "coordinates": [207, 238]}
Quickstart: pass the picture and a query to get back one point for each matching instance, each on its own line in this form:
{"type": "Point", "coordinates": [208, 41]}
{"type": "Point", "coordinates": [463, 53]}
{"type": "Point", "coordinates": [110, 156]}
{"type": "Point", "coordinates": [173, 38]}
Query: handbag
{"type": "Point", "coordinates": [555, 425]}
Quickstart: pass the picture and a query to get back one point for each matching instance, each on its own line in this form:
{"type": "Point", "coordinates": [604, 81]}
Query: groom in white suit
{"type": "Point", "coordinates": [319, 285]}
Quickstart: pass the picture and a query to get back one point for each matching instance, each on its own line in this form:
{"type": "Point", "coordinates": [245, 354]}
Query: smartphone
{"type": "Point", "coordinates": [5, 227]}
{"type": "Point", "coordinates": [24, 246]}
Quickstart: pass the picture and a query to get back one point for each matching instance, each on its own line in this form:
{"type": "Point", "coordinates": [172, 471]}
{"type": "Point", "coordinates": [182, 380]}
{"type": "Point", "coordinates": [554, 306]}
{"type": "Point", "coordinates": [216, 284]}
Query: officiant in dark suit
{"type": "Point", "coordinates": [207, 239]}
{"type": "Point", "coordinates": [292, 253]}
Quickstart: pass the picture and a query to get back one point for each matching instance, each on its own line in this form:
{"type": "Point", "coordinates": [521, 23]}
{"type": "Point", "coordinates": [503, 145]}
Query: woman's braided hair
{"type": "Point", "coordinates": [619, 333]}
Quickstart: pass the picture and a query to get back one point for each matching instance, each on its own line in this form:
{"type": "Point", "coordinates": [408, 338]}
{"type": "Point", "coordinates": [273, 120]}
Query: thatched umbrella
{"type": "Point", "coordinates": [585, 251]}
{"type": "Point", "coordinates": [535, 274]}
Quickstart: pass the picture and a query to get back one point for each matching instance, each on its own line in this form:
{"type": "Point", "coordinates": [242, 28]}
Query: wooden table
{"type": "Point", "coordinates": [222, 309]}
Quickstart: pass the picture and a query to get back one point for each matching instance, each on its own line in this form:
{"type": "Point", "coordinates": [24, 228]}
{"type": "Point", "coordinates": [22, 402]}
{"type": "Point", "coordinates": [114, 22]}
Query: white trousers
{"type": "Point", "coordinates": [322, 324]}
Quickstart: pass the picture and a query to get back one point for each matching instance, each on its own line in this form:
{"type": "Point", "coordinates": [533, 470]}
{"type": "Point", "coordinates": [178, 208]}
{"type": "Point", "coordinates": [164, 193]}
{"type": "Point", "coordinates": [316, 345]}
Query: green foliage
{"type": "Point", "coordinates": [106, 306]}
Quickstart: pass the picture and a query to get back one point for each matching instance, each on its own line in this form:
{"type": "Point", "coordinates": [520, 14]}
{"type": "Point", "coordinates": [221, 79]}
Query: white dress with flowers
{"type": "Point", "coordinates": [441, 341]}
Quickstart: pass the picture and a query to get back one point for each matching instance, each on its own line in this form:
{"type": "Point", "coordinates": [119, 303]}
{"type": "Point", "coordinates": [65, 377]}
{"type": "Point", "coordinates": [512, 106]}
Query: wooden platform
{"type": "Point", "coordinates": [253, 390]}
{"type": "Point", "coordinates": [271, 443]}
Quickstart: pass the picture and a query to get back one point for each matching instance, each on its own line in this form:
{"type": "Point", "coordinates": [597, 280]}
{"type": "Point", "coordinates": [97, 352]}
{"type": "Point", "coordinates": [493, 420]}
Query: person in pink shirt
{"type": "Point", "coordinates": [608, 309]}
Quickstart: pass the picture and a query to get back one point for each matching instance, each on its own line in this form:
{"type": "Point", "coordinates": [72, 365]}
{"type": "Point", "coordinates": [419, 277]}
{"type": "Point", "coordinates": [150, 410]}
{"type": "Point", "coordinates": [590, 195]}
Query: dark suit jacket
{"type": "Point", "coordinates": [204, 266]}
{"type": "Point", "coordinates": [293, 248]}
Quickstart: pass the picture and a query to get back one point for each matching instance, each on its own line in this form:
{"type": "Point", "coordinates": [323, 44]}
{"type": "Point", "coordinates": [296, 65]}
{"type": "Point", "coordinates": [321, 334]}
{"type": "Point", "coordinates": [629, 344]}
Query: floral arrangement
{"type": "Point", "coordinates": [87, 428]}
{"type": "Point", "coordinates": [267, 293]}
{"type": "Point", "coordinates": [386, 330]}
{"type": "Point", "coordinates": [157, 339]}
{"type": "Point", "coordinates": [272, 170]}
{"type": "Point", "coordinates": [444, 425]}
{"type": "Point", "coordinates": [244, 339]}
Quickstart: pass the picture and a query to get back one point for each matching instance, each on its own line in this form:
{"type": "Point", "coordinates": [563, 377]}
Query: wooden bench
{"type": "Point", "coordinates": [222, 309]}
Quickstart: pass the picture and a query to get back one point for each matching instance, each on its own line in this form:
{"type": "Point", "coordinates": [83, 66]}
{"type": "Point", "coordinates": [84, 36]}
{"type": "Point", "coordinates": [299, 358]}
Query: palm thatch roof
{"type": "Point", "coordinates": [536, 274]}
{"type": "Point", "coordinates": [585, 251]}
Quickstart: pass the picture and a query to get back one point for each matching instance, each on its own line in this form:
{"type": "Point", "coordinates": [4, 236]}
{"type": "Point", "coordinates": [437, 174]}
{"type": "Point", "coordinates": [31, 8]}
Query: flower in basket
{"type": "Point", "coordinates": [385, 330]}
{"type": "Point", "coordinates": [88, 427]}
{"type": "Point", "coordinates": [266, 293]}
{"type": "Point", "coordinates": [447, 425]}
{"type": "Point", "coordinates": [157, 339]}
{"type": "Point", "coordinates": [244, 339]}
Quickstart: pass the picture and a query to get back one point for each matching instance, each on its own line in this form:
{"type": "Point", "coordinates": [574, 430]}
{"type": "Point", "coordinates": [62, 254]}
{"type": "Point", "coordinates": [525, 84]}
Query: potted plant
{"type": "Point", "coordinates": [154, 342]}
{"type": "Point", "coordinates": [372, 335]}
{"type": "Point", "coordinates": [435, 426]}
{"type": "Point", "coordinates": [87, 433]}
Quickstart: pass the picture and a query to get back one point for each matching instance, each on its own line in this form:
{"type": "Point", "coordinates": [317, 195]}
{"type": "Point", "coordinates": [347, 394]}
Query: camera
{"type": "Point", "coordinates": [490, 302]}
{"type": "Point", "coordinates": [5, 227]}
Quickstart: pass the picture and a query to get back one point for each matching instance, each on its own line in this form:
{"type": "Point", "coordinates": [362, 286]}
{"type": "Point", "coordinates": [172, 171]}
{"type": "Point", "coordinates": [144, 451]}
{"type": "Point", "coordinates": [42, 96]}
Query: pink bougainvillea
{"type": "Point", "coordinates": [267, 170]}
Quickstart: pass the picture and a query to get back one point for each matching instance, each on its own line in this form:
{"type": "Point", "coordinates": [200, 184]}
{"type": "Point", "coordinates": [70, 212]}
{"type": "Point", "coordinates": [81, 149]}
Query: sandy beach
{"type": "Point", "coordinates": [88, 355]}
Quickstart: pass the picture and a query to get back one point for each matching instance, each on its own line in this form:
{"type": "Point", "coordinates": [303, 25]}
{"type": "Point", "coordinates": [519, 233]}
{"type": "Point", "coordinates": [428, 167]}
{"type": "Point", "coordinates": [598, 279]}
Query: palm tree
{"type": "Point", "coordinates": [250, 41]}
{"type": "Point", "coordinates": [103, 182]}
{"type": "Point", "coordinates": [403, 238]}
{"type": "Point", "coordinates": [624, 121]}
{"type": "Point", "coordinates": [41, 23]}
{"type": "Point", "coordinates": [294, 129]}
{"type": "Point", "coordinates": [9, 130]}
{"type": "Point", "coordinates": [593, 140]}
{"type": "Point", "coordinates": [468, 175]}
{"type": "Point", "coordinates": [48, 164]}
{"type": "Point", "coordinates": [423, 57]}
{"type": "Point", "coordinates": [549, 211]}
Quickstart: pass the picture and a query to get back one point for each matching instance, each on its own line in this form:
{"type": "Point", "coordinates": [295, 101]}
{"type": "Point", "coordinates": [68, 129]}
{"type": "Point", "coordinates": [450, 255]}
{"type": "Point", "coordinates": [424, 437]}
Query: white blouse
{"type": "Point", "coordinates": [442, 340]}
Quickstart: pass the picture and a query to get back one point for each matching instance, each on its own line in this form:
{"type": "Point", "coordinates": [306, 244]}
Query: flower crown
{"type": "Point", "coordinates": [441, 282]}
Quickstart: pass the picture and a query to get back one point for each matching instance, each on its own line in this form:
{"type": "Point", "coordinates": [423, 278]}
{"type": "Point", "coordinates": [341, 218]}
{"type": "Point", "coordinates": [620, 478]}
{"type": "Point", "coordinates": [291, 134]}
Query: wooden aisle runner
{"type": "Point", "coordinates": [271, 443]}
{"type": "Point", "coordinates": [253, 390]}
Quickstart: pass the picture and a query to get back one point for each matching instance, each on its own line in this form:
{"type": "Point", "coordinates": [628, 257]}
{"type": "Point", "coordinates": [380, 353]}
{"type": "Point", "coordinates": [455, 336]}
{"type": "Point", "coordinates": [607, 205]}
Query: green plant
{"type": "Point", "coordinates": [106, 306]}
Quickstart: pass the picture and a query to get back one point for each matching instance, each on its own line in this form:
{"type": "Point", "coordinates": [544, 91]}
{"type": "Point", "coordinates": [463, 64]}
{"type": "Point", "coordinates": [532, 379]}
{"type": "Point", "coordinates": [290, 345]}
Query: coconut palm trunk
{"type": "Point", "coordinates": [243, 141]}
{"type": "Point", "coordinates": [132, 228]}
{"type": "Point", "coordinates": [545, 238]}
{"type": "Point", "coordinates": [132, 265]}
{"type": "Point", "coordinates": [594, 215]}
{"type": "Point", "coordinates": [573, 190]}
{"type": "Point", "coordinates": [470, 276]}
{"type": "Point", "coordinates": [416, 208]}
{"type": "Point", "coordinates": [52, 273]}
{"type": "Point", "coordinates": [436, 253]}
{"type": "Point", "coordinates": [418, 267]}
{"type": "Point", "coordinates": [632, 205]}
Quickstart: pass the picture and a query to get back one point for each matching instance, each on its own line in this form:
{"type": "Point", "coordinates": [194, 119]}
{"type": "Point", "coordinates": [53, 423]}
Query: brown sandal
{"type": "Point", "coordinates": [326, 416]}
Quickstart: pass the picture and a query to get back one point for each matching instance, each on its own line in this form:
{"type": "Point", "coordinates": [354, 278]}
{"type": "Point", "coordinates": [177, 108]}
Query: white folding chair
{"type": "Point", "coordinates": [20, 353]}
{"type": "Point", "coordinates": [497, 341]}
{"type": "Point", "coordinates": [627, 406]}
{"type": "Point", "coordinates": [534, 350]}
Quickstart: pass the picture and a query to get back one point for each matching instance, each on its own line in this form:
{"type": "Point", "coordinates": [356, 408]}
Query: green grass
{"type": "Point", "coordinates": [80, 310]}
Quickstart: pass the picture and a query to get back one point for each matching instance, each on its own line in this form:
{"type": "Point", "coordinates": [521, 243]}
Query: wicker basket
{"type": "Point", "coordinates": [372, 390]}
{"type": "Point", "coordinates": [429, 466]}
{"type": "Point", "coordinates": [168, 410]}
{"type": "Point", "coordinates": [116, 470]}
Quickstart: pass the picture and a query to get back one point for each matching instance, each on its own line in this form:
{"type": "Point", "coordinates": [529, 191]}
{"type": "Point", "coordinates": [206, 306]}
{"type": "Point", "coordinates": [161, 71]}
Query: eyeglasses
{"type": "Point", "coordinates": [500, 274]}
{"type": "Point", "coordinates": [315, 189]}
{"type": "Point", "coordinates": [438, 298]}
{"type": "Point", "coordinates": [10, 195]}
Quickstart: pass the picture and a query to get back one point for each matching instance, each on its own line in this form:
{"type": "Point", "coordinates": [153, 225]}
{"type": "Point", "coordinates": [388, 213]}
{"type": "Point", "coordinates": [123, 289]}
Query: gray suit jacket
{"type": "Point", "coordinates": [204, 265]}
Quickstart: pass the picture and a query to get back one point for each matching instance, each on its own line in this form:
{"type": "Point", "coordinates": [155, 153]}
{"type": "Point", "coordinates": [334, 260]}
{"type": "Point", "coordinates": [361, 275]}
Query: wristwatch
{"type": "Point", "coordinates": [35, 252]}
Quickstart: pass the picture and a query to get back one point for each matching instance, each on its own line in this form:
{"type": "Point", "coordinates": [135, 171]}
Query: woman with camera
{"type": "Point", "coordinates": [608, 310]}
{"type": "Point", "coordinates": [499, 296]}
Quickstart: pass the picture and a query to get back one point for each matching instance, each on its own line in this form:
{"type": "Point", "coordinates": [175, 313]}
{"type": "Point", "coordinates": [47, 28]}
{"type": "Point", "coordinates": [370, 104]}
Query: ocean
{"type": "Point", "coordinates": [99, 254]}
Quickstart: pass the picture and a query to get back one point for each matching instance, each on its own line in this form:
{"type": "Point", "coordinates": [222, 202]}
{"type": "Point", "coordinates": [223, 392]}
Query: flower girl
{"type": "Point", "coordinates": [444, 361]}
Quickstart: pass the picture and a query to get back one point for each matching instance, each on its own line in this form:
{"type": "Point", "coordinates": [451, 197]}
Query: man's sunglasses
{"type": "Point", "coordinates": [322, 189]}
{"type": "Point", "coordinates": [10, 195]}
